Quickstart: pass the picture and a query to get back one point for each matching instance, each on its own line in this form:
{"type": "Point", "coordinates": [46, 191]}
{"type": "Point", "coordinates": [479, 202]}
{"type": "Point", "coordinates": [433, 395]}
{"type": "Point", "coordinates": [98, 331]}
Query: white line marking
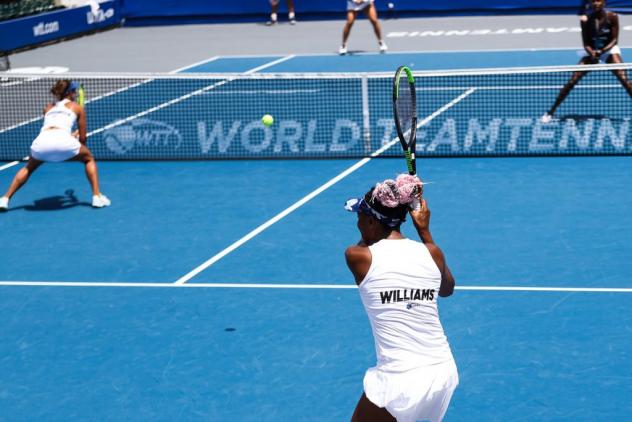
{"type": "Point", "coordinates": [311, 195]}
{"type": "Point", "coordinates": [349, 286]}
{"type": "Point", "coordinates": [517, 87]}
{"type": "Point", "coordinates": [189, 66]}
{"type": "Point", "coordinates": [14, 83]}
{"type": "Point", "coordinates": [272, 63]}
{"type": "Point", "coordinates": [11, 164]}
{"type": "Point", "coordinates": [151, 110]}
{"type": "Point", "coordinates": [267, 91]}
{"type": "Point", "coordinates": [421, 52]}
{"type": "Point", "coordinates": [185, 97]}
{"type": "Point", "coordinates": [546, 289]}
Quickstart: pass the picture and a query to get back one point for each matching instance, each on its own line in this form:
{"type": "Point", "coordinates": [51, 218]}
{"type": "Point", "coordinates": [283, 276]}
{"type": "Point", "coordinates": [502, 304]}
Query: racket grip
{"type": "Point", "coordinates": [416, 204]}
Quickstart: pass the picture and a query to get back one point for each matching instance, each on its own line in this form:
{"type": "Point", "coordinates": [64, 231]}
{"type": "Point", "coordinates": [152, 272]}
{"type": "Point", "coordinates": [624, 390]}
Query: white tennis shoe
{"type": "Point", "coordinates": [4, 203]}
{"type": "Point", "coordinates": [343, 50]}
{"type": "Point", "coordinates": [100, 201]}
{"type": "Point", "coordinates": [546, 118]}
{"type": "Point", "coordinates": [383, 47]}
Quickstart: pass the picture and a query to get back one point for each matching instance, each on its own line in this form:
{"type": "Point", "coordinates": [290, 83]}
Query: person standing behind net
{"type": "Point", "coordinates": [56, 142]}
{"type": "Point", "coordinates": [399, 280]}
{"type": "Point", "coordinates": [585, 9]}
{"type": "Point", "coordinates": [600, 35]}
{"type": "Point", "coordinates": [275, 8]}
{"type": "Point", "coordinates": [353, 7]}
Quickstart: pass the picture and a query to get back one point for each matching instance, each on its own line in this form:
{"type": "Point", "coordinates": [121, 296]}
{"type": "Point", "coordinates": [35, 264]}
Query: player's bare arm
{"type": "Point", "coordinates": [359, 261]}
{"type": "Point", "coordinates": [614, 18]}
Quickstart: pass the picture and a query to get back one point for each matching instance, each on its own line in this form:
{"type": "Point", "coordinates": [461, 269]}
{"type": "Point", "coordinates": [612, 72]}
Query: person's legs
{"type": "Point", "coordinates": [22, 176]}
{"type": "Point", "coordinates": [86, 157]}
{"type": "Point", "coordinates": [274, 4]}
{"type": "Point", "coordinates": [371, 14]}
{"type": "Point", "coordinates": [620, 73]}
{"type": "Point", "coordinates": [575, 78]}
{"type": "Point", "coordinates": [366, 411]}
{"type": "Point", "coordinates": [351, 17]}
{"type": "Point", "coordinates": [290, 12]}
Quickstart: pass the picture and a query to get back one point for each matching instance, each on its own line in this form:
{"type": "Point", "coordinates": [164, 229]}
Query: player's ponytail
{"type": "Point", "coordinates": [59, 90]}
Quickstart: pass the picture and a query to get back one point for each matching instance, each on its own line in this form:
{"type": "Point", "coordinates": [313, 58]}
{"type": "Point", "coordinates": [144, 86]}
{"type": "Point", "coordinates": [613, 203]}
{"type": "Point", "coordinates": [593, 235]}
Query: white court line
{"type": "Point", "coordinates": [272, 63]}
{"type": "Point", "coordinates": [11, 164]}
{"type": "Point", "coordinates": [266, 91]}
{"type": "Point", "coordinates": [300, 286]}
{"type": "Point", "coordinates": [118, 91]}
{"type": "Point", "coordinates": [312, 195]}
{"type": "Point", "coordinates": [421, 52]}
{"type": "Point", "coordinates": [189, 66]}
{"type": "Point", "coordinates": [185, 97]}
{"type": "Point", "coordinates": [151, 110]}
{"type": "Point", "coordinates": [515, 88]}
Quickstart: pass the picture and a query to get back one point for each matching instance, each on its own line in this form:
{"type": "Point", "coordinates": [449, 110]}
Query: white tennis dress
{"type": "Point", "coordinates": [358, 5]}
{"type": "Point", "coordinates": [415, 374]}
{"type": "Point", "coordinates": [55, 141]}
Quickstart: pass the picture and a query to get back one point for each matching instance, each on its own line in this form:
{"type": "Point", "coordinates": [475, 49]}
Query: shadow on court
{"type": "Point", "coordinates": [54, 203]}
{"type": "Point", "coordinates": [586, 117]}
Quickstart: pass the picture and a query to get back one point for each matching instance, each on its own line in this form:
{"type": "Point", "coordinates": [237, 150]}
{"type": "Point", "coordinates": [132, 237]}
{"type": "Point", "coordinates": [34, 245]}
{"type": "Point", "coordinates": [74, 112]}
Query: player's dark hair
{"type": "Point", "coordinates": [59, 90]}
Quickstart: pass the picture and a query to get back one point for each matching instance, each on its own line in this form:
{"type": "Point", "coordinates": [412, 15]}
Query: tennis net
{"type": "Point", "coordinates": [461, 113]}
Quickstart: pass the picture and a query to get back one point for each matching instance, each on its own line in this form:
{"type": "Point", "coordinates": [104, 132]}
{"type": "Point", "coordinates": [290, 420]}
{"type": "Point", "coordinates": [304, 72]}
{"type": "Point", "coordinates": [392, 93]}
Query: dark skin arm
{"type": "Point", "coordinates": [358, 260]}
{"type": "Point", "coordinates": [586, 32]}
{"type": "Point", "coordinates": [614, 18]}
{"type": "Point", "coordinates": [358, 257]}
{"type": "Point", "coordinates": [586, 40]}
{"type": "Point", "coordinates": [421, 221]}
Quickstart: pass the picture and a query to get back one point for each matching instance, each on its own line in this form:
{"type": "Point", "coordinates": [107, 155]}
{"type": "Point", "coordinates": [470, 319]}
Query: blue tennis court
{"type": "Point", "coordinates": [217, 290]}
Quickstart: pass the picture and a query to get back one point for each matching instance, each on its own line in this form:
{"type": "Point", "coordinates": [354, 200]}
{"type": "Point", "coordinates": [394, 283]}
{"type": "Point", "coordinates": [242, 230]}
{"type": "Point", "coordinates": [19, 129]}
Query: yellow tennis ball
{"type": "Point", "coordinates": [267, 120]}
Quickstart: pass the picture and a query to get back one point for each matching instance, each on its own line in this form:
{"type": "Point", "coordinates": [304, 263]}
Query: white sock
{"type": "Point", "coordinates": [291, 15]}
{"type": "Point", "coordinates": [273, 16]}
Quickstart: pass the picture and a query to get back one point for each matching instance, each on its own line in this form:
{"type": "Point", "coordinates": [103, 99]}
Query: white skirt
{"type": "Point", "coordinates": [420, 394]}
{"type": "Point", "coordinates": [614, 50]}
{"type": "Point", "coordinates": [357, 5]}
{"type": "Point", "coordinates": [54, 145]}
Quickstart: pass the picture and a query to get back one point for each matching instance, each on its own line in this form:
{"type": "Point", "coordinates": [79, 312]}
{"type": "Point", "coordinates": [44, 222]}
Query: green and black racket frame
{"type": "Point", "coordinates": [81, 96]}
{"type": "Point", "coordinates": [405, 115]}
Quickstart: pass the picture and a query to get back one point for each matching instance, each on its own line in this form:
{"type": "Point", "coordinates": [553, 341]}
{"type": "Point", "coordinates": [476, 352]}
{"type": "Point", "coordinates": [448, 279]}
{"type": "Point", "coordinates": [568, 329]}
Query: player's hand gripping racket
{"type": "Point", "coordinates": [405, 114]}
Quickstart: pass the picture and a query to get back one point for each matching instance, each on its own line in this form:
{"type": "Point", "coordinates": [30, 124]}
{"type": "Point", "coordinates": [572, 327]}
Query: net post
{"type": "Point", "coordinates": [5, 64]}
{"type": "Point", "coordinates": [366, 117]}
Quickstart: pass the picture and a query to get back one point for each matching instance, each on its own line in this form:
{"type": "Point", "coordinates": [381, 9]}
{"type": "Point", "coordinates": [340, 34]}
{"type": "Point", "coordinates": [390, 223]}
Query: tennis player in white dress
{"type": "Point", "coordinates": [353, 8]}
{"type": "Point", "coordinates": [399, 281]}
{"type": "Point", "coordinates": [57, 142]}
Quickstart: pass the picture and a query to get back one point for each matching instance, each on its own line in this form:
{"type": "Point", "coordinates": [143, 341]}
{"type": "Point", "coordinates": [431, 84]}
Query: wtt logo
{"type": "Point", "coordinates": [142, 134]}
{"type": "Point", "coordinates": [99, 16]}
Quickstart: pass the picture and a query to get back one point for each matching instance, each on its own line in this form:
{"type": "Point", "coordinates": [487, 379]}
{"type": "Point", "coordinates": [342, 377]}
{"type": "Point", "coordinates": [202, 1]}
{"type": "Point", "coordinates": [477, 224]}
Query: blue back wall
{"type": "Point", "coordinates": [192, 9]}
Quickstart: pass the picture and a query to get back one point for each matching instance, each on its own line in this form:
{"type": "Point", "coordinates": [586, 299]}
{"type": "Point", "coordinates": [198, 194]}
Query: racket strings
{"type": "Point", "coordinates": [405, 105]}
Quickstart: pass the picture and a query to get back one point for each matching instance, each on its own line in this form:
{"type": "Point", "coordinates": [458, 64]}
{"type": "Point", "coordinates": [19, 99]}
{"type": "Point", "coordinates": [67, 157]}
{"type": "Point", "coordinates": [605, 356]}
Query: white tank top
{"type": "Point", "coordinates": [60, 116]}
{"type": "Point", "coordinates": [399, 294]}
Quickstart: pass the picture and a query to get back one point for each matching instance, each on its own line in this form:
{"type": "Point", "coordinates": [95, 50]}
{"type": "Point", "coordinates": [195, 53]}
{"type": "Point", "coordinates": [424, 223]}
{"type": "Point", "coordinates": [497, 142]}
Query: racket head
{"type": "Point", "coordinates": [81, 95]}
{"type": "Point", "coordinates": [405, 113]}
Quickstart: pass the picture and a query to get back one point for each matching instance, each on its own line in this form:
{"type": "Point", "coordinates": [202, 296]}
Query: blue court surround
{"type": "Point", "coordinates": [227, 354]}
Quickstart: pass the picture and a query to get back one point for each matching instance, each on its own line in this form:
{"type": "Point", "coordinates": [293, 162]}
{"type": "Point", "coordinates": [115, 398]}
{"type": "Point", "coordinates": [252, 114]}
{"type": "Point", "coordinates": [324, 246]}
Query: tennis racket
{"type": "Point", "coordinates": [81, 96]}
{"type": "Point", "coordinates": [405, 115]}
